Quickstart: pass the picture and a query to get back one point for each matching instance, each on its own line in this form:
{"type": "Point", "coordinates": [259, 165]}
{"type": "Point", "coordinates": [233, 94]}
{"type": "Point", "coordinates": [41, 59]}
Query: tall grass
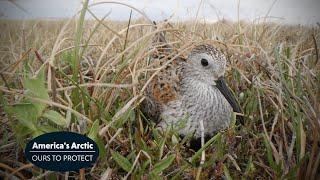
{"type": "Point", "coordinates": [91, 76]}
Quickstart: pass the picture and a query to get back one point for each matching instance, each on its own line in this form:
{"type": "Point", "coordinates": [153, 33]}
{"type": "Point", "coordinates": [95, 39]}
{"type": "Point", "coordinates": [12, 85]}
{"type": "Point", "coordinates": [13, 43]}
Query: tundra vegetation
{"type": "Point", "coordinates": [88, 76]}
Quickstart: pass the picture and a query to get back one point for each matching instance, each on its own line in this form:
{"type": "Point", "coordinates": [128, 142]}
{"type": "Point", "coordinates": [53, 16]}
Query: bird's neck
{"type": "Point", "coordinates": [195, 86]}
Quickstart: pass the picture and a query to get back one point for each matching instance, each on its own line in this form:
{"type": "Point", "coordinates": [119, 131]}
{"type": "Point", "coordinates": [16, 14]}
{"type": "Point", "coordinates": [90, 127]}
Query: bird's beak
{"type": "Point", "coordinates": [223, 88]}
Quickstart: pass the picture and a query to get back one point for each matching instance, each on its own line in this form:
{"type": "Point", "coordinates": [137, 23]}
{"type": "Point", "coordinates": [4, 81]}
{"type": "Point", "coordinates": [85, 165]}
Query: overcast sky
{"type": "Point", "coordinates": [286, 11]}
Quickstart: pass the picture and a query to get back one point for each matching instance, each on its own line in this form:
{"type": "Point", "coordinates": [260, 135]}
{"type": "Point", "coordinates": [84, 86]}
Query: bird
{"type": "Point", "coordinates": [191, 89]}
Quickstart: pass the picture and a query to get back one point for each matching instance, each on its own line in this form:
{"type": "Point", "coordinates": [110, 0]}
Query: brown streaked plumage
{"type": "Point", "coordinates": [191, 89]}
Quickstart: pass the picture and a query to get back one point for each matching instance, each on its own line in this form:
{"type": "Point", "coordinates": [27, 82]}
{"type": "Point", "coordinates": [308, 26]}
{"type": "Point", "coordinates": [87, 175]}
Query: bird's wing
{"type": "Point", "coordinates": [164, 86]}
{"type": "Point", "coordinates": [163, 89]}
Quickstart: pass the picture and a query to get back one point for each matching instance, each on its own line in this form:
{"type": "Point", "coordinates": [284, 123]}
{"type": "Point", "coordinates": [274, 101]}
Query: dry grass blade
{"type": "Point", "coordinates": [4, 166]}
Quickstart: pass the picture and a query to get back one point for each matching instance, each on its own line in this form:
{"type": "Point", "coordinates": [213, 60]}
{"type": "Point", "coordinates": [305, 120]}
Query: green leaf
{"type": "Point", "coordinates": [35, 87]}
{"type": "Point", "coordinates": [94, 130]}
{"type": "Point", "coordinates": [162, 165]}
{"type": "Point", "coordinates": [274, 165]}
{"type": "Point", "coordinates": [55, 117]}
{"type": "Point", "coordinates": [47, 128]}
{"type": "Point", "coordinates": [37, 133]}
{"type": "Point", "coordinates": [226, 172]}
{"type": "Point", "coordinates": [93, 134]}
{"type": "Point", "coordinates": [25, 113]}
{"type": "Point", "coordinates": [123, 162]}
{"type": "Point", "coordinates": [205, 146]}
{"type": "Point", "coordinates": [161, 147]}
{"type": "Point", "coordinates": [128, 115]}
{"type": "Point", "coordinates": [174, 139]}
{"type": "Point", "coordinates": [269, 151]}
{"type": "Point", "coordinates": [21, 133]}
{"type": "Point", "coordinates": [102, 149]}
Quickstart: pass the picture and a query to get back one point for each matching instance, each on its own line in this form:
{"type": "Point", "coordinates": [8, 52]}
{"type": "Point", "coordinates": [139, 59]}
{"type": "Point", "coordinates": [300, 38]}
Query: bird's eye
{"type": "Point", "coordinates": [204, 62]}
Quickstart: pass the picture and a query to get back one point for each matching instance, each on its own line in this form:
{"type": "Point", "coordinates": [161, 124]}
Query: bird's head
{"type": "Point", "coordinates": [207, 63]}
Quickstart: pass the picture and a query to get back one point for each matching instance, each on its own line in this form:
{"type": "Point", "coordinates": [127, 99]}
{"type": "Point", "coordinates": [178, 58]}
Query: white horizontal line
{"type": "Point", "coordinates": [64, 151]}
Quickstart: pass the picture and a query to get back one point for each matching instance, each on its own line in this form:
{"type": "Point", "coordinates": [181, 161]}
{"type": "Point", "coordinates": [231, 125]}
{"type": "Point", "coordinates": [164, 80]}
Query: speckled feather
{"type": "Point", "coordinates": [185, 91]}
{"type": "Point", "coordinates": [178, 94]}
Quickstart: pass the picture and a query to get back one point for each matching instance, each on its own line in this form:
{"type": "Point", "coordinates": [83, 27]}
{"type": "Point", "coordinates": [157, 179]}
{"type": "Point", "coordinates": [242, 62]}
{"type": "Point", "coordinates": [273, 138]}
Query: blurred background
{"type": "Point", "coordinates": [284, 11]}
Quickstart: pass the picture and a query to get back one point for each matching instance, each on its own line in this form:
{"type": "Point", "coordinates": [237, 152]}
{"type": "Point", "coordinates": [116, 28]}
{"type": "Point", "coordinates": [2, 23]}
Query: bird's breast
{"type": "Point", "coordinates": [205, 102]}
